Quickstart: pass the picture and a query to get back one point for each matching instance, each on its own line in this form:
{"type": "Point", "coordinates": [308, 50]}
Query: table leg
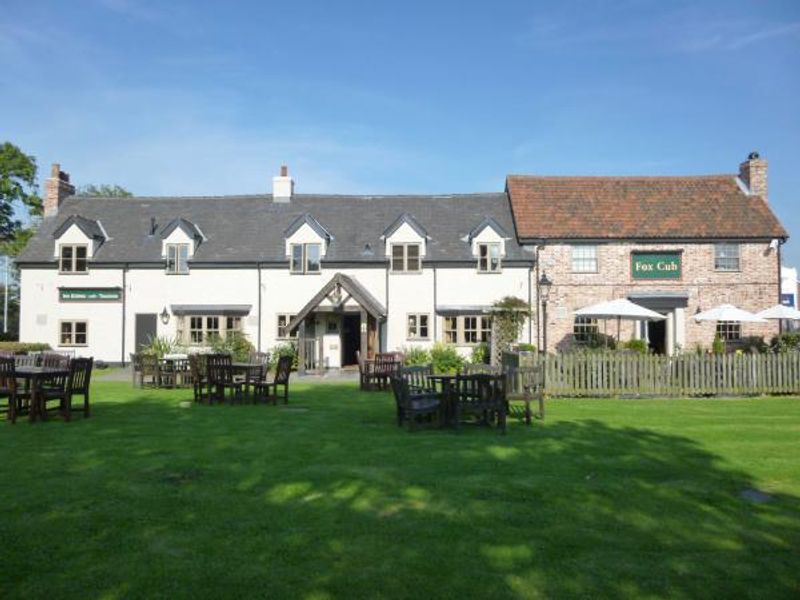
{"type": "Point", "coordinates": [34, 410]}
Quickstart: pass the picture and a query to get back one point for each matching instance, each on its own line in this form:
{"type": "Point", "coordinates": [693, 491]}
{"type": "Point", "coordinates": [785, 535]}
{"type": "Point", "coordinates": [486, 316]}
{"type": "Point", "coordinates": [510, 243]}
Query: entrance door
{"type": "Point", "coordinates": [351, 339]}
{"type": "Point", "coordinates": [657, 335]}
{"type": "Point", "coordinates": [146, 329]}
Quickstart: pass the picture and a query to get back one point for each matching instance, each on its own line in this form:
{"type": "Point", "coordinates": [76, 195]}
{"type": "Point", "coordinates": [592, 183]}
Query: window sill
{"type": "Point", "coordinates": [406, 272]}
{"type": "Point", "coordinates": [305, 272]}
{"type": "Point", "coordinates": [418, 339]}
{"type": "Point", "coordinates": [727, 270]}
{"type": "Point", "coordinates": [73, 345]}
{"type": "Point", "coordinates": [175, 273]}
{"type": "Point", "coordinates": [73, 272]}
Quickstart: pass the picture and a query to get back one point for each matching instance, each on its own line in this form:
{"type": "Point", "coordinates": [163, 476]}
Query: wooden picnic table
{"type": "Point", "coordinates": [34, 377]}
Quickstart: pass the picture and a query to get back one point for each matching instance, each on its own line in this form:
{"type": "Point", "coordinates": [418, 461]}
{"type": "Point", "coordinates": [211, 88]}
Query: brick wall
{"type": "Point", "coordinates": [754, 288]}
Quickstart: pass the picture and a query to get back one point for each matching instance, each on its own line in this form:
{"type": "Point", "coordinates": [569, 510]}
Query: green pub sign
{"type": "Point", "coordinates": [656, 265]}
{"type": "Point", "coordinates": [90, 294]}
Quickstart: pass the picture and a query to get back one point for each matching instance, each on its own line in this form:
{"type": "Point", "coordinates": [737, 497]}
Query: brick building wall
{"type": "Point", "coordinates": [754, 287]}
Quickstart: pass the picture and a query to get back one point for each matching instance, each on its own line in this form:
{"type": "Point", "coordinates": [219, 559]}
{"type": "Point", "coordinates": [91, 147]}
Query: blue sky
{"type": "Point", "coordinates": [376, 97]}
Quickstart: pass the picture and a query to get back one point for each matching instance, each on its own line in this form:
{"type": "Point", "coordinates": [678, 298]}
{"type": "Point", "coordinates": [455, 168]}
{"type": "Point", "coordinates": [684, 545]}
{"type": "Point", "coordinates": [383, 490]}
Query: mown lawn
{"type": "Point", "coordinates": [608, 498]}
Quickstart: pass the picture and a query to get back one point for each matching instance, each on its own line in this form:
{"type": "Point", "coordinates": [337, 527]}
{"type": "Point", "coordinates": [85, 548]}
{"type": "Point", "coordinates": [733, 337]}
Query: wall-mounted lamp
{"type": "Point", "coordinates": [165, 316]}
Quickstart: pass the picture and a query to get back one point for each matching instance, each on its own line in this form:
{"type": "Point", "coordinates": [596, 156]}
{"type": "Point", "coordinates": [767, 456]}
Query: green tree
{"type": "Point", "coordinates": [103, 190]}
{"type": "Point", "coordinates": [17, 190]}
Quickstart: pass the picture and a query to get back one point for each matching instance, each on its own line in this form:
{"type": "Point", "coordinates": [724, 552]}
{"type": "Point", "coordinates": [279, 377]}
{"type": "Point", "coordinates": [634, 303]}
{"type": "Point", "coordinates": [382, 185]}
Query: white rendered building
{"type": "Point", "coordinates": [342, 273]}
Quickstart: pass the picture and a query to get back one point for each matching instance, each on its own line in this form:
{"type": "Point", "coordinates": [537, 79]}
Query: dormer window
{"type": "Point", "coordinates": [305, 258]}
{"type": "Point", "coordinates": [72, 258]}
{"type": "Point", "coordinates": [177, 259]}
{"type": "Point", "coordinates": [489, 258]}
{"type": "Point", "coordinates": [405, 258]}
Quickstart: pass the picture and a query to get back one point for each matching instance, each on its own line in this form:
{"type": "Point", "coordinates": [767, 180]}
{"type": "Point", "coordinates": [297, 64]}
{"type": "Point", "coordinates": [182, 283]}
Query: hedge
{"type": "Point", "coordinates": [23, 347]}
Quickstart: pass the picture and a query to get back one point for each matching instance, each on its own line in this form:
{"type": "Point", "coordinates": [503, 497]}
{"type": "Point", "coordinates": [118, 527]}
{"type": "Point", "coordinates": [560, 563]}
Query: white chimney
{"type": "Point", "coordinates": [282, 186]}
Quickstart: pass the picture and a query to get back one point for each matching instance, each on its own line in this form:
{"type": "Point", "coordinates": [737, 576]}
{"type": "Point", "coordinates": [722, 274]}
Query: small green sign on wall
{"type": "Point", "coordinates": [656, 265]}
{"type": "Point", "coordinates": [89, 294]}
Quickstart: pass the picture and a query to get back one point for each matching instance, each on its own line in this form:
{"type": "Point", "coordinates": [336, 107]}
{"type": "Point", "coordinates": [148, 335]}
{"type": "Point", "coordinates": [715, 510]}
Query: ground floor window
{"type": "Point", "coordinates": [203, 328]}
{"type": "Point", "coordinates": [467, 329]}
{"type": "Point", "coordinates": [584, 328]}
{"type": "Point", "coordinates": [729, 330]}
{"type": "Point", "coordinates": [73, 333]}
{"type": "Point", "coordinates": [417, 327]}
{"type": "Point", "coordinates": [283, 323]}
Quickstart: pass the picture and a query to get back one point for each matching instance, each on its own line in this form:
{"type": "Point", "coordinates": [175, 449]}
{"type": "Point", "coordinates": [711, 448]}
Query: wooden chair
{"type": "Point", "coordinates": [8, 389]}
{"type": "Point", "coordinates": [150, 371]}
{"type": "Point", "coordinates": [387, 365]}
{"type": "Point", "coordinates": [261, 389]}
{"type": "Point", "coordinates": [197, 366]}
{"type": "Point", "coordinates": [136, 369]}
{"type": "Point", "coordinates": [417, 378]}
{"type": "Point", "coordinates": [482, 396]}
{"type": "Point", "coordinates": [167, 373]}
{"type": "Point", "coordinates": [366, 372]}
{"type": "Point", "coordinates": [219, 373]}
{"type": "Point", "coordinates": [414, 408]}
{"type": "Point", "coordinates": [80, 376]}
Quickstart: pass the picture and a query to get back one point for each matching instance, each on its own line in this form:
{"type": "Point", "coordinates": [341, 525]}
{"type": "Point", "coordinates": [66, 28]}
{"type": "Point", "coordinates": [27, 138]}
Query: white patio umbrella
{"type": "Point", "coordinates": [619, 309]}
{"type": "Point", "coordinates": [780, 312]}
{"type": "Point", "coordinates": [728, 312]}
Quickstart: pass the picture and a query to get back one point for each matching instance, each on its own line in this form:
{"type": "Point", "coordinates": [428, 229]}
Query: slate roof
{"type": "Point", "coordinates": [713, 206]}
{"type": "Point", "coordinates": [252, 228]}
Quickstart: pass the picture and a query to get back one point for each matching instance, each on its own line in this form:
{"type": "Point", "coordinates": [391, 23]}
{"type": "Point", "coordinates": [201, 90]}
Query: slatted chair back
{"type": "Point", "coordinates": [80, 375]}
{"type": "Point", "coordinates": [283, 370]}
{"type": "Point", "coordinates": [402, 393]}
{"type": "Point", "coordinates": [219, 369]}
{"type": "Point", "coordinates": [55, 361]}
{"type": "Point", "coordinates": [197, 367]}
{"type": "Point", "coordinates": [149, 365]}
{"type": "Point", "coordinates": [475, 369]}
{"type": "Point", "coordinates": [481, 391]}
{"type": "Point", "coordinates": [26, 360]}
{"type": "Point", "coordinates": [417, 376]}
{"type": "Point", "coordinates": [387, 364]}
{"type": "Point", "coordinates": [8, 378]}
{"type": "Point", "coordinates": [261, 358]}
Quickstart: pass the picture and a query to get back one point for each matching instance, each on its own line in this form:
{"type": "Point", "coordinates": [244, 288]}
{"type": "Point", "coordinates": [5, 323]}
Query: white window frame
{"type": "Point", "coordinates": [210, 325]}
{"type": "Point", "coordinates": [393, 266]}
{"type": "Point", "coordinates": [721, 258]}
{"type": "Point", "coordinates": [583, 258]}
{"type": "Point", "coordinates": [454, 330]}
{"type": "Point", "coordinates": [73, 333]}
{"type": "Point", "coordinates": [73, 260]}
{"type": "Point", "coordinates": [305, 261]}
{"type": "Point", "coordinates": [415, 326]}
{"type": "Point", "coordinates": [583, 328]}
{"type": "Point", "coordinates": [281, 332]}
{"type": "Point", "coordinates": [485, 261]}
{"type": "Point", "coordinates": [729, 331]}
{"type": "Point", "coordinates": [173, 266]}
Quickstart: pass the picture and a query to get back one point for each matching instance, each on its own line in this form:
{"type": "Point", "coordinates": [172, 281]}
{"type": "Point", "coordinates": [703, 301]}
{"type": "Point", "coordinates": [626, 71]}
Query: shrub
{"type": "Point", "coordinates": [480, 354]}
{"type": "Point", "coordinates": [23, 347]}
{"type": "Point", "coordinates": [526, 348]}
{"type": "Point", "coordinates": [718, 347]}
{"type": "Point", "coordinates": [158, 346]}
{"type": "Point", "coordinates": [754, 344]}
{"type": "Point", "coordinates": [285, 349]}
{"type": "Point", "coordinates": [445, 358]}
{"type": "Point", "coordinates": [236, 344]}
{"type": "Point", "coordinates": [600, 341]}
{"type": "Point", "coordinates": [639, 346]}
{"type": "Point", "coordinates": [786, 342]}
{"type": "Point", "coordinates": [415, 356]}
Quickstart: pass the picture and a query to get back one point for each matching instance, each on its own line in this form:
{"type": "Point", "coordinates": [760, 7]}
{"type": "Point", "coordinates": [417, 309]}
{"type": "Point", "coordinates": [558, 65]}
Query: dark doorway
{"type": "Point", "coordinates": [657, 334]}
{"type": "Point", "coordinates": [351, 339]}
{"type": "Point", "coordinates": [146, 329]}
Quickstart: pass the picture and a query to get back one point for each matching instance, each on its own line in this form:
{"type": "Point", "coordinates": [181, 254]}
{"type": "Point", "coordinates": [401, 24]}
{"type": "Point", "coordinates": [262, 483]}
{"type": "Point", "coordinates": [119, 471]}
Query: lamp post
{"type": "Point", "coordinates": [545, 284]}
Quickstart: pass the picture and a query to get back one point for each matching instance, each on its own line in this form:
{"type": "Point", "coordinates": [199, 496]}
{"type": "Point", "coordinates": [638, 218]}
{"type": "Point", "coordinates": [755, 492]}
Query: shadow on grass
{"type": "Point", "coordinates": [337, 502]}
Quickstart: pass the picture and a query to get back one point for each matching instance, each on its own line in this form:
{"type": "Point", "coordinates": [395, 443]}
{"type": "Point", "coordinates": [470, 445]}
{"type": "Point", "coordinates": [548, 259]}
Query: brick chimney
{"type": "Point", "coordinates": [282, 186]}
{"type": "Point", "coordinates": [56, 189]}
{"type": "Point", "coordinates": [753, 173]}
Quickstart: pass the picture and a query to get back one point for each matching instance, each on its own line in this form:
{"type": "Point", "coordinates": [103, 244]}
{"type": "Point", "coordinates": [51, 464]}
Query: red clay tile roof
{"type": "Point", "coordinates": [712, 206]}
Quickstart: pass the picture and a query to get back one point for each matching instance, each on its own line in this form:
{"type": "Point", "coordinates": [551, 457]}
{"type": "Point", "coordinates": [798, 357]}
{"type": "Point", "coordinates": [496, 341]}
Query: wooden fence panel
{"type": "Point", "coordinates": [645, 375]}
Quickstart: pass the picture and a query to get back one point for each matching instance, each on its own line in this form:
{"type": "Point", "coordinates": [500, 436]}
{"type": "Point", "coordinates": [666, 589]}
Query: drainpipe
{"type": "Point", "coordinates": [530, 301]}
{"type": "Point", "coordinates": [538, 313]}
{"type": "Point", "coordinates": [258, 267]}
{"type": "Point", "coordinates": [435, 319]}
{"type": "Point", "coordinates": [780, 281]}
{"type": "Point", "coordinates": [124, 307]}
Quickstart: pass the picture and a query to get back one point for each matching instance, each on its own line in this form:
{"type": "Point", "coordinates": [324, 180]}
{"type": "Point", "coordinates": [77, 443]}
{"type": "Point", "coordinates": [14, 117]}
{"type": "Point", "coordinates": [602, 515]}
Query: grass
{"type": "Point", "coordinates": [636, 499]}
